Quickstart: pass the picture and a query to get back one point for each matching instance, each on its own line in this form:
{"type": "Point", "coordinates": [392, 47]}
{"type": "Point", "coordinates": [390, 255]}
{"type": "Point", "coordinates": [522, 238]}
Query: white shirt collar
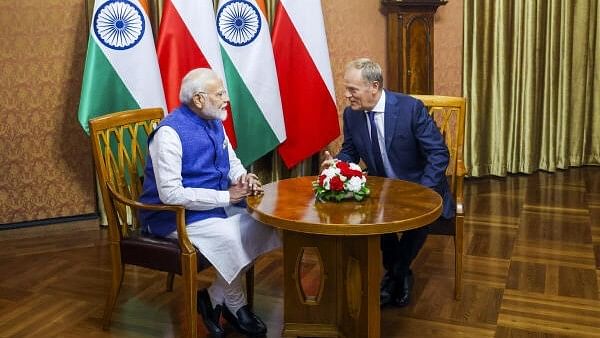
{"type": "Point", "coordinates": [380, 106]}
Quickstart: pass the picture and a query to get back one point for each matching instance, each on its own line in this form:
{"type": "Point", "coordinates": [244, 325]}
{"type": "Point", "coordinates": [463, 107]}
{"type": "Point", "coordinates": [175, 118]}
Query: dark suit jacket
{"type": "Point", "coordinates": [415, 148]}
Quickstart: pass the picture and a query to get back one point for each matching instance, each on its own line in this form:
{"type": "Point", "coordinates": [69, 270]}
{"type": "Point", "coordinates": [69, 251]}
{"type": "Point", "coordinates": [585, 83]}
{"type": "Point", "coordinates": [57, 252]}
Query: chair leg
{"type": "Point", "coordinates": [170, 278]}
{"type": "Point", "coordinates": [115, 287]}
{"type": "Point", "coordinates": [458, 256]}
{"type": "Point", "coordinates": [250, 286]}
{"type": "Point", "coordinates": [190, 288]}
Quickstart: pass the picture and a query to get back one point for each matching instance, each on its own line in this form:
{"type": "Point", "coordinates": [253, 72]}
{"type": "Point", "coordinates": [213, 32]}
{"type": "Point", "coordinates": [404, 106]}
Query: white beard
{"type": "Point", "coordinates": [215, 113]}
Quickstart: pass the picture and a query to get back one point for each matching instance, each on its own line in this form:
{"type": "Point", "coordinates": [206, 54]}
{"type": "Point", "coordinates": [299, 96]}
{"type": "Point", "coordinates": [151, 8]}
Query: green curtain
{"type": "Point", "coordinates": [532, 84]}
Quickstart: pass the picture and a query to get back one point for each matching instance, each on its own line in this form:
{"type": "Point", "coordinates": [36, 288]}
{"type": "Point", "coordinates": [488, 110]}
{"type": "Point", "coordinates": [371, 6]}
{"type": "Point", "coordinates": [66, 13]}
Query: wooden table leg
{"type": "Point", "coordinates": [361, 275]}
{"type": "Point", "coordinates": [347, 302]}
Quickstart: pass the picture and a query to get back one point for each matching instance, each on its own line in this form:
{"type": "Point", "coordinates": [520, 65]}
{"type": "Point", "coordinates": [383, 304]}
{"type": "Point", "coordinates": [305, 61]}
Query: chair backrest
{"type": "Point", "coordinates": [119, 148]}
{"type": "Point", "coordinates": [449, 115]}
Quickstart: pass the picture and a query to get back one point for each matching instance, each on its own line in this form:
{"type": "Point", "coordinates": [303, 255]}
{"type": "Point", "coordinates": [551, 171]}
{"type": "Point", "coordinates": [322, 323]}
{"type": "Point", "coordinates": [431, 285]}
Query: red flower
{"type": "Point", "coordinates": [351, 173]}
{"type": "Point", "coordinates": [322, 179]}
{"type": "Point", "coordinates": [346, 171]}
{"type": "Point", "coordinates": [336, 184]}
{"type": "Point", "coordinates": [342, 165]}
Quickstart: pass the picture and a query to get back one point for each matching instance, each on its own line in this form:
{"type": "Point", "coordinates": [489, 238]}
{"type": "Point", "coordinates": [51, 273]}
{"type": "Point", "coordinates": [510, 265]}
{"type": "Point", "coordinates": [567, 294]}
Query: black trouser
{"type": "Point", "coordinates": [399, 254]}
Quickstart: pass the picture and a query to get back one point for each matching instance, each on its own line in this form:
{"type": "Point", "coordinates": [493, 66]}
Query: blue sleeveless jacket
{"type": "Point", "coordinates": [204, 164]}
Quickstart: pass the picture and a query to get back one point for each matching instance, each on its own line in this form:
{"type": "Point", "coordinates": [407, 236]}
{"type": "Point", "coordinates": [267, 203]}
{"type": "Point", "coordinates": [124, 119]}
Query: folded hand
{"type": "Point", "coordinates": [252, 183]}
{"type": "Point", "coordinates": [255, 185]}
{"type": "Point", "coordinates": [238, 191]}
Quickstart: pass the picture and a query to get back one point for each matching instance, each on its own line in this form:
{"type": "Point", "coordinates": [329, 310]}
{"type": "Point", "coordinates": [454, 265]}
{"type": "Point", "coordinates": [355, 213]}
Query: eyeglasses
{"type": "Point", "coordinates": [220, 94]}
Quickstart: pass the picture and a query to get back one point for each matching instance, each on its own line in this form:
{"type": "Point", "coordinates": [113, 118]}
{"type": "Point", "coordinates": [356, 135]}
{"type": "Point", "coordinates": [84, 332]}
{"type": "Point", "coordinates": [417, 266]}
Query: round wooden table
{"type": "Point", "coordinates": [344, 238]}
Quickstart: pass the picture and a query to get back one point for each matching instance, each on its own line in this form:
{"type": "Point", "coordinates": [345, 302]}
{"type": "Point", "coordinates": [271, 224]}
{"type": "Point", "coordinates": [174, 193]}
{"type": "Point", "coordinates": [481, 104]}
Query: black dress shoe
{"type": "Point", "coordinates": [210, 315]}
{"type": "Point", "coordinates": [403, 288]}
{"type": "Point", "coordinates": [245, 321]}
{"type": "Point", "coordinates": [387, 290]}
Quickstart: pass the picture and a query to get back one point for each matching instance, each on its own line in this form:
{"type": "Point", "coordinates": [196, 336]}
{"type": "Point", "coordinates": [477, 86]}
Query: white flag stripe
{"type": "Point", "coordinates": [145, 70]}
{"type": "Point", "coordinates": [202, 31]}
{"type": "Point", "coordinates": [310, 27]}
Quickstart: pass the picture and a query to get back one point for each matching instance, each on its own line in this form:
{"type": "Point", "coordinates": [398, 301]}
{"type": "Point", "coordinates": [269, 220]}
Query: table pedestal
{"type": "Point", "coordinates": [345, 238]}
{"type": "Point", "coordinates": [347, 302]}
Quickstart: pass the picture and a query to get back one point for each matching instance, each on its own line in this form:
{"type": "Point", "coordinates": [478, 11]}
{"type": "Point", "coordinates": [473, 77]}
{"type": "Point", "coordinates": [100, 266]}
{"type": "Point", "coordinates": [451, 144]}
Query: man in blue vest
{"type": "Point", "coordinates": [191, 163]}
{"type": "Point", "coordinates": [395, 137]}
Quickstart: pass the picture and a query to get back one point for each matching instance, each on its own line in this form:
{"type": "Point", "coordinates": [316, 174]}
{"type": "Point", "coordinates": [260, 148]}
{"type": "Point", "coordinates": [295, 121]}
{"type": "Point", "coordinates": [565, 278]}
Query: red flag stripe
{"type": "Point", "coordinates": [175, 61]}
{"type": "Point", "coordinates": [310, 113]}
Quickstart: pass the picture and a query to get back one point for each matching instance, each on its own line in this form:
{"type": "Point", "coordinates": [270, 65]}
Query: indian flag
{"type": "Point", "coordinates": [121, 68]}
{"type": "Point", "coordinates": [251, 78]}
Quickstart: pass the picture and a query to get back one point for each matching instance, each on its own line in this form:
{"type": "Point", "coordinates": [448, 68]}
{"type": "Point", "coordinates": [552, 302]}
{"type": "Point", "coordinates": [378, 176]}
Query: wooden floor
{"type": "Point", "coordinates": [532, 269]}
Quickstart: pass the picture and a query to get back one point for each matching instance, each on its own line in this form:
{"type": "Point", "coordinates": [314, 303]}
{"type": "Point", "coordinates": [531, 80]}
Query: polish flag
{"type": "Point", "coordinates": [188, 39]}
{"type": "Point", "coordinates": [305, 79]}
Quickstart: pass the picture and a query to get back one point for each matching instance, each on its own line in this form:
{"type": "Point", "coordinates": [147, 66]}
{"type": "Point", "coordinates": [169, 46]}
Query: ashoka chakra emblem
{"type": "Point", "coordinates": [238, 22]}
{"type": "Point", "coordinates": [119, 24]}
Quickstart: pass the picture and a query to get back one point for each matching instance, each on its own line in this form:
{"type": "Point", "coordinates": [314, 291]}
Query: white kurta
{"type": "Point", "coordinates": [229, 243]}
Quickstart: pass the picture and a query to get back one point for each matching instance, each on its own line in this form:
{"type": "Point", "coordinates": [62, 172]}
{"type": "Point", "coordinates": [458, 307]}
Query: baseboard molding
{"type": "Point", "coordinates": [7, 226]}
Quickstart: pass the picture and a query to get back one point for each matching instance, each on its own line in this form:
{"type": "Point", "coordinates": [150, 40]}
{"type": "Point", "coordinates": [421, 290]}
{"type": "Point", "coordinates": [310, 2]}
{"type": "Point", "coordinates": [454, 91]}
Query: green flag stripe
{"type": "Point", "coordinates": [103, 91]}
{"type": "Point", "coordinates": [254, 136]}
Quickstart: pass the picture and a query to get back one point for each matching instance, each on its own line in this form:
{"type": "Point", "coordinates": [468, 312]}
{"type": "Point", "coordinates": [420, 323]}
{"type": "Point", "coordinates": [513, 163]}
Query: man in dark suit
{"type": "Point", "coordinates": [395, 137]}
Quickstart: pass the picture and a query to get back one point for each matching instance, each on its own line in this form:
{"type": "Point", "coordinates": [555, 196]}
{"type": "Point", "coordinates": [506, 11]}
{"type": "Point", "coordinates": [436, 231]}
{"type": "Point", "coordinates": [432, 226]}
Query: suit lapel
{"type": "Point", "coordinates": [391, 118]}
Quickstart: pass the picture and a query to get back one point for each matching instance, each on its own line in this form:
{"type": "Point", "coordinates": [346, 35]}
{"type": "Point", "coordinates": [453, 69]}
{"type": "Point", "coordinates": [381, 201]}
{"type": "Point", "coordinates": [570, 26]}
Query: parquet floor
{"type": "Point", "coordinates": [532, 269]}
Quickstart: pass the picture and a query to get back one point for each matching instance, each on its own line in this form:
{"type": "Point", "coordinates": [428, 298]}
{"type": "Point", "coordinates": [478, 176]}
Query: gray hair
{"type": "Point", "coordinates": [195, 81]}
{"type": "Point", "coordinates": [370, 70]}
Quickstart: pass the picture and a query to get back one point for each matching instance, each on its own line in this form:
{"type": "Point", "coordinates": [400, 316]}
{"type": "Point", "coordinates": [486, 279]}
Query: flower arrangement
{"type": "Point", "coordinates": [339, 181]}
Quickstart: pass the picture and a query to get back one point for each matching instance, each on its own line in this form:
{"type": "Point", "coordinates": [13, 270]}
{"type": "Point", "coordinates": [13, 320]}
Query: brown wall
{"type": "Point", "coordinates": [447, 49]}
{"type": "Point", "coordinates": [45, 163]}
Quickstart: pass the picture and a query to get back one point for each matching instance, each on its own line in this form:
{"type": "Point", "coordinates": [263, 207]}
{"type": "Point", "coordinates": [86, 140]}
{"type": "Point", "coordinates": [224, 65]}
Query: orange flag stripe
{"type": "Point", "coordinates": [263, 7]}
{"type": "Point", "coordinates": [144, 4]}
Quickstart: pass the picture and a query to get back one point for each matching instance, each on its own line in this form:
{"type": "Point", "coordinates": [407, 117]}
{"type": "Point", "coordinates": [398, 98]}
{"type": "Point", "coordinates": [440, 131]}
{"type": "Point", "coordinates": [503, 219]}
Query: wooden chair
{"type": "Point", "coordinates": [119, 148]}
{"type": "Point", "coordinates": [449, 115]}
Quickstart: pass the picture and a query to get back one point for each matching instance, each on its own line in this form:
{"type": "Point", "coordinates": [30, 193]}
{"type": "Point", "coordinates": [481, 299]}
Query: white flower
{"type": "Point", "coordinates": [354, 184]}
{"type": "Point", "coordinates": [354, 166]}
{"type": "Point", "coordinates": [326, 183]}
{"type": "Point", "coordinates": [330, 172]}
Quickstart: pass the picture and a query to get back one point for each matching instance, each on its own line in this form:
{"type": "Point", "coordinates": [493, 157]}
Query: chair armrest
{"type": "Point", "coordinates": [184, 242]}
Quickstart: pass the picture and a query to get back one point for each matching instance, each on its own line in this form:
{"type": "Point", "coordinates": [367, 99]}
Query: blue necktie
{"type": "Point", "coordinates": [379, 168]}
